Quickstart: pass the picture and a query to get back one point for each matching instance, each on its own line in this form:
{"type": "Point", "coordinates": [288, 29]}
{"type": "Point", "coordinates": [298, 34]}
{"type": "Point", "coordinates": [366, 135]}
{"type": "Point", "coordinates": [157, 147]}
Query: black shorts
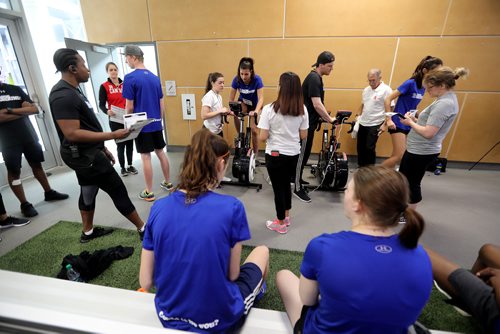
{"type": "Point", "coordinates": [477, 296]}
{"type": "Point", "coordinates": [147, 142]}
{"type": "Point", "coordinates": [12, 155]}
{"type": "Point", "coordinates": [398, 130]}
{"type": "Point", "coordinates": [298, 328]}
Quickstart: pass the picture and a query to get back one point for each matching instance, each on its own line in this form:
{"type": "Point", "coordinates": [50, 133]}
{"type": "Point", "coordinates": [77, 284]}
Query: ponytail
{"type": "Point", "coordinates": [412, 229]}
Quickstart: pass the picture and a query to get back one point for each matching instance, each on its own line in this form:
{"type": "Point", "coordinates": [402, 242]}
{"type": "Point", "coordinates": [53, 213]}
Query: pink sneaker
{"type": "Point", "coordinates": [274, 225]}
{"type": "Point", "coordinates": [288, 221]}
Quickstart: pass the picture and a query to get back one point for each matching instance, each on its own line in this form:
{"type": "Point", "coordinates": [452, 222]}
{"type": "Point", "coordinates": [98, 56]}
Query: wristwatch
{"type": "Point", "coordinates": [9, 110]}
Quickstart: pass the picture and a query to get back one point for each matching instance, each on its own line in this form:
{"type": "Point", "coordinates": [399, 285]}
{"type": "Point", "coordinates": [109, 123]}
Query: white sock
{"type": "Point", "coordinates": [89, 232]}
{"type": "Point", "coordinates": [143, 228]}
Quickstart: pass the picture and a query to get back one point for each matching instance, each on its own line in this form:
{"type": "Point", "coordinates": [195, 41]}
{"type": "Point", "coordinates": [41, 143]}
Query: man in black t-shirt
{"type": "Point", "coordinates": [18, 137]}
{"type": "Point", "coordinates": [314, 96]}
{"type": "Point", "coordinates": [82, 145]}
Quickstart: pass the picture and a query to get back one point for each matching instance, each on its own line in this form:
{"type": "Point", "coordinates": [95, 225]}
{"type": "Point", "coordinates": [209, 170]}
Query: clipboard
{"type": "Point", "coordinates": [135, 122]}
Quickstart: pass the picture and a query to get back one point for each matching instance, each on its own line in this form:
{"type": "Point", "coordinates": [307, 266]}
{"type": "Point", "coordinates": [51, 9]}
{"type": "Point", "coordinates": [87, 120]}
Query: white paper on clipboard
{"type": "Point", "coordinates": [118, 114]}
{"type": "Point", "coordinates": [135, 122]}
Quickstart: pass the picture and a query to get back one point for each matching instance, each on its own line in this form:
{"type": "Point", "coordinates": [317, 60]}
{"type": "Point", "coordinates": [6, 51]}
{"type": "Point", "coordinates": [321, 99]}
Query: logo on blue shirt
{"type": "Point", "coordinates": [384, 249]}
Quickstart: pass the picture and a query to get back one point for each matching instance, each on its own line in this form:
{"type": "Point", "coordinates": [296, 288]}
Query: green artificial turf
{"type": "Point", "coordinates": [43, 254]}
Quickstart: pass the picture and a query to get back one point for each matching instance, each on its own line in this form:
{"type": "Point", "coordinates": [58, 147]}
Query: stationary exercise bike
{"type": "Point", "coordinates": [332, 169]}
{"type": "Point", "coordinates": [243, 168]}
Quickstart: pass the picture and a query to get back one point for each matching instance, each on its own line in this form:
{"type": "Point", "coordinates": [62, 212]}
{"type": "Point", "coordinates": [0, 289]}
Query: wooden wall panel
{"type": "Point", "coordinates": [353, 58]}
{"type": "Point", "coordinates": [200, 19]}
{"type": "Point", "coordinates": [364, 18]}
{"type": "Point", "coordinates": [480, 54]}
{"type": "Point", "coordinates": [479, 17]}
{"type": "Point", "coordinates": [112, 21]}
{"type": "Point", "coordinates": [478, 129]}
{"type": "Point", "coordinates": [189, 63]}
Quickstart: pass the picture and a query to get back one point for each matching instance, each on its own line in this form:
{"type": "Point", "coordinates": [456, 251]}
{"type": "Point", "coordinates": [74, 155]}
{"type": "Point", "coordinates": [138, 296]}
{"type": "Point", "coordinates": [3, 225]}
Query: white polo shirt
{"type": "Point", "coordinates": [373, 105]}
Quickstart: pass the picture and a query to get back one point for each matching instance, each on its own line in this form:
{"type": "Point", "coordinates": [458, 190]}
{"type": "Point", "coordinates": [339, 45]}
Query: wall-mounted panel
{"type": "Point", "coordinates": [353, 58]}
{"type": "Point", "coordinates": [189, 63]}
{"type": "Point", "coordinates": [478, 129]}
{"type": "Point", "coordinates": [113, 21]}
{"type": "Point", "coordinates": [479, 17]}
{"type": "Point", "coordinates": [364, 18]}
{"type": "Point", "coordinates": [480, 54]}
{"type": "Point", "coordinates": [200, 19]}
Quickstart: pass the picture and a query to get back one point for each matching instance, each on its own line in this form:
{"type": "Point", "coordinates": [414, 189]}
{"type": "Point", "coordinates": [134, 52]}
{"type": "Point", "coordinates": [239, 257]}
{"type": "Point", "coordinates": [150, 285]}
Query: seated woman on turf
{"type": "Point", "coordinates": [369, 279]}
{"type": "Point", "coordinates": [192, 247]}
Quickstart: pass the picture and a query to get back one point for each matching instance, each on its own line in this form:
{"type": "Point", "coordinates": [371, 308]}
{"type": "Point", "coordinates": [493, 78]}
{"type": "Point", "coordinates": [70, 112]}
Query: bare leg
{"type": "Point", "coordinates": [237, 124]}
{"type": "Point", "coordinates": [87, 220]}
{"type": "Point", "coordinates": [441, 270]}
{"type": "Point", "coordinates": [489, 256]}
{"type": "Point", "coordinates": [255, 138]}
{"type": "Point", "coordinates": [398, 149]}
{"type": "Point", "coordinates": [147, 168]}
{"type": "Point", "coordinates": [40, 175]}
{"type": "Point", "coordinates": [18, 190]}
{"type": "Point", "coordinates": [134, 218]}
{"type": "Point", "coordinates": [260, 256]}
{"type": "Point", "coordinates": [288, 287]}
{"type": "Point", "coordinates": [164, 163]}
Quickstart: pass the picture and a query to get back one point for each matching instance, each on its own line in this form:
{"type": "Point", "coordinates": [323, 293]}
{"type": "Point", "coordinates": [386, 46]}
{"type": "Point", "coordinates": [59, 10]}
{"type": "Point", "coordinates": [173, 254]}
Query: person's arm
{"type": "Point", "coordinates": [260, 103]}
{"type": "Point", "coordinates": [26, 109]}
{"type": "Point", "coordinates": [207, 112]}
{"type": "Point", "coordinates": [426, 131]}
{"type": "Point", "coordinates": [129, 106]}
{"type": "Point", "coordinates": [303, 134]}
{"type": "Point", "coordinates": [72, 132]}
{"type": "Point", "coordinates": [321, 110]}
{"type": "Point", "coordinates": [162, 108]}
{"type": "Point", "coordinates": [387, 106]}
{"type": "Point", "coordinates": [234, 262]}
{"type": "Point", "coordinates": [264, 134]}
{"type": "Point", "coordinates": [492, 277]}
{"type": "Point", "coordinates": [147, 269]}
{"type": "Point", "coordinates": [232, 95]}
{"type": "Point", "coordinates": [308, 291]}
{"type": "Point", "coordinates": [103, 99]}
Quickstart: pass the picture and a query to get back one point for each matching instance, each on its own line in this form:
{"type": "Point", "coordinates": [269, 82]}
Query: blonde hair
{"type": "Point", "coordinates": [444, 75]}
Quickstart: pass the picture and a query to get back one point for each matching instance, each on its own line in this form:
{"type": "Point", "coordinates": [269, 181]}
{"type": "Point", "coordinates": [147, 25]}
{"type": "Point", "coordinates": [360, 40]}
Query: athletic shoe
{"type": "Point", "coordinates": [141, 234]}
{"type": "Point", "coordinates": [274, 225]}
{"type": "Point", "coordinates": [147, 196]}
{"type": "Point", "coordinates": [226, 179]}
{"type": "Point", "coordinates": [302, 195]}
{"type": "Point", "coordinates": [450, 300]}
{"type": "Point", "coordinates": [123, 172]}
{"type": "Point", "coordinates": [402, 220]}
{"type": "Point", "coordinates": [168, 186]}
{"type": "Point", "coordinates": [28, 210]}
{"type": "Point", "coordinates": [288, 222]}
{"type": "Point", "coordinates": [262, 291]}
{"type": "Point", "coordinates": [132, 170]}
{"type": "Point", "coordinates": [98, 232]}
{"type": "Point", "coordinates": [53, 195]}
{"type": "Point", "coordinates": [13, 222]}
{"type": "Point", "coordinates": [303, 182]}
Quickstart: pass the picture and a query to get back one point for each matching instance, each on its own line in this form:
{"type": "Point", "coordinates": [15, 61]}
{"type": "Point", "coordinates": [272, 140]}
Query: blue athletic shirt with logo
{"type": "Point", "coordinates": [248, 93]}
{"type": "Point", "coordinates": [144, 88]}
{"type": "Point", "coordinates": [409, 99]}
{"type": "Point", "coordinates": [191, 245]}
{"type": "Point", "coordinates": [367, 284]}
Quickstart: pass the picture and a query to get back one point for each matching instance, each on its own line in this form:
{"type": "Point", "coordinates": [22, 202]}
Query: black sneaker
{"type": "Point", "coordinates": [302, 195]}
{"type": "Point", "coordinates": [141, 234]}
{"type": "Point", "coordinates": [13, 222]}
{"type": "Point", "coordinates": [132, 170]}
{"type": "Point", "coordinates": [123, 172]}
{"type": "Point", "coordinates": [28, 210]}
{"type": "Point", "coordinates": [303, 182]}
{"type": "Point", "coordinates": [98, 232]}
{"type": "Point", "coordinates": [53, 195]}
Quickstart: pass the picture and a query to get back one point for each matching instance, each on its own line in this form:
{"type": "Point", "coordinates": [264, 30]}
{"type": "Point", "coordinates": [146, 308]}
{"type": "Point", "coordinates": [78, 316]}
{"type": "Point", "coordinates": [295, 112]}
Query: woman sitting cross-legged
{"type": "Point", "coordinates": [192, 248]}
{"type": "Point", "coordinates": [369, 279]}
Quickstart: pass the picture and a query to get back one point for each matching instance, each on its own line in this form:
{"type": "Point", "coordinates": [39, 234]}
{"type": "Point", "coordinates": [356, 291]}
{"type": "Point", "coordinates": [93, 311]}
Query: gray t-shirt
{"type": "Point", "coordinates": [441, 114]}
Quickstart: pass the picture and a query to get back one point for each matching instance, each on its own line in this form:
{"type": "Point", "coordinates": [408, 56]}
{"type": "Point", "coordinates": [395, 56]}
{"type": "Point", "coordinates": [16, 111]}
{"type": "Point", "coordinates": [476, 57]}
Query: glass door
{"type": "Point", "coordinates": [14, 71]}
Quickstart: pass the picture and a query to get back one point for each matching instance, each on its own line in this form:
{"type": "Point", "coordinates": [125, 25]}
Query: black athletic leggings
{"type": "Point", "coordinates": [281, 170]}
{"type": "Point", "coordinates": [127, 146]}
{"type": "Point", "coordinates": [413, 166]}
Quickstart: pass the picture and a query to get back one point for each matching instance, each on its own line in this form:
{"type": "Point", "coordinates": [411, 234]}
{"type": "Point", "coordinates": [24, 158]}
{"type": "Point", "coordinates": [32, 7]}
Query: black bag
{"type": "Point", "coordinates": [92, 265]}
{"type": "Point", "coordinates": [432, 167]}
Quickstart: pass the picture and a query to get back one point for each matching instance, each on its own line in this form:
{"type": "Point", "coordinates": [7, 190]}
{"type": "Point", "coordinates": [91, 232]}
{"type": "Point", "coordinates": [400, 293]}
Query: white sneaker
{"type": "Point", "coordinates": [226, 179]}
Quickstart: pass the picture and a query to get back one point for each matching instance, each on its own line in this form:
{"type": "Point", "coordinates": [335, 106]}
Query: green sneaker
{"type": "Point", "coordinates": [147, 196]}
{"type": "Point", "coordinates": [168, 186]}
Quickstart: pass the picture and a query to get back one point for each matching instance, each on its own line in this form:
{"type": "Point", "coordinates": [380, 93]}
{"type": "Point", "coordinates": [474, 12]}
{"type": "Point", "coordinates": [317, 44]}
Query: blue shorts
{"type": "Point", "coordinates": [12, 155]}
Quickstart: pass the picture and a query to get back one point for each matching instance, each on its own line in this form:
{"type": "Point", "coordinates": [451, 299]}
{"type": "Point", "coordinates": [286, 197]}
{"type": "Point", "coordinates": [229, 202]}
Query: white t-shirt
{"type": "Point", "coordinates": [284, 135]}
{"type": "Point", "coordinates": [373, 105]}
{"type": "Point", "coordinates": [214, 102]}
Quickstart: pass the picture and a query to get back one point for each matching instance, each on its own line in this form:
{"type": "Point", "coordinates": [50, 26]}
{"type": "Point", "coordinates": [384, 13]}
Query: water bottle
{"type": "Point", "coordinates": [72, 274]}
{"type": "Point", "coordinates": [439, 166]}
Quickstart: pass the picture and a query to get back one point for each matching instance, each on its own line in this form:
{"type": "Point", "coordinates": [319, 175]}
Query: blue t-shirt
{"type": "Point", "coordinates": [248, 93]}
{"type": "Point", "coordinates": [409, 99]}
{"type": "Point", "coordinates": [367, 284]}
{"type": "Point", "coordinates": [144, 88]}
{"type": "Point", "coordinates": [192, 245]}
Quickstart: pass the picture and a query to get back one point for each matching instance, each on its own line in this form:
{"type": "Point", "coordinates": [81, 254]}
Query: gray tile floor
{"type": "Point", "coordinates": [461, 207]}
